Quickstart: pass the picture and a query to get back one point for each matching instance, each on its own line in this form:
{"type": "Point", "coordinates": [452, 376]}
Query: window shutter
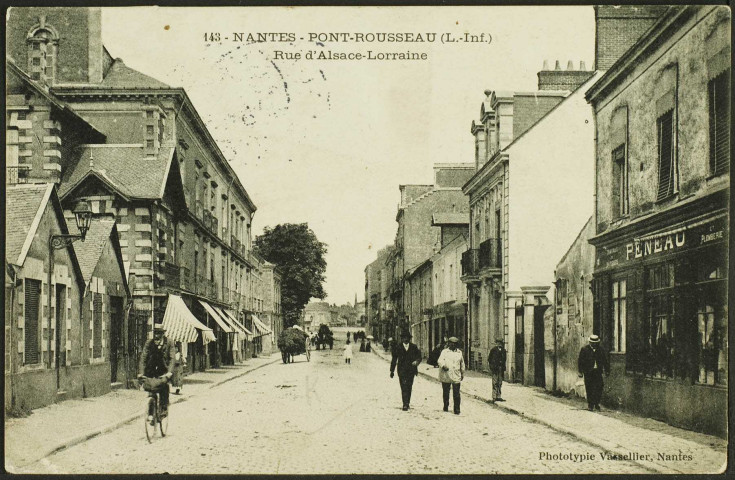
{"type": "Point", "coordinates": [32, 297]}
{"type": "Point", "coordinates": [97, 325]}
{"type": "Point", "coordinates": [719, 123]}
{"type": "Point", "coordinates": [665, 155]}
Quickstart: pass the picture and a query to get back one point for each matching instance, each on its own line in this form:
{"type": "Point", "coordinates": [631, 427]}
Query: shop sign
{"type": "Point", "coordinates": [656, 244]}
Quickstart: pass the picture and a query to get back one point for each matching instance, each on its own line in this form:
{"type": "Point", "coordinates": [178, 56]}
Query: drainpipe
{"type": "Point", "coordinates": [12, 322]}
{"type": "Point", "coordinates": [556, 287]}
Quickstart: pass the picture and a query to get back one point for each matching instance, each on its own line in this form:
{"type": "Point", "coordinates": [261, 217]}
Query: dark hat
{"type": "Point", "coordinates": [499, 341]}
{"type": "Point", "coordinates": [158, 327]}
{"type": "Point", "coordinates": [594, 339]}
{"type": "Point", "coordinates": [453, 340]}
{"type": "Point", "coordinates": [406, 334]}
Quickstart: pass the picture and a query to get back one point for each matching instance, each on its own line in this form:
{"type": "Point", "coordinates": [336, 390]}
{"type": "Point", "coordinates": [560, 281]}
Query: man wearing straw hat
{"type": "Point", "coordinates": [592, 362]}
{"type": "Point", "coordinates": [157, 361]}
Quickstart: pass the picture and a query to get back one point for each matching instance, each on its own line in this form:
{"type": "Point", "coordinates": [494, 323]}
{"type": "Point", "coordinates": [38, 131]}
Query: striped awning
{"type": "Point", "coordinates": [261, 326]}
{"type": "Point", "coordinates": [233, 321]}
{"type": "Point", "coordinates": [181, 325]}
{"type": "Point", "coordinates": [217, 317]}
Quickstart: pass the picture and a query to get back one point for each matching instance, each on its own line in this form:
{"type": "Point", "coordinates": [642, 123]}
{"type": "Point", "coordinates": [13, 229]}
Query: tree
{"type": "Point", "coordinates": [296, 251]}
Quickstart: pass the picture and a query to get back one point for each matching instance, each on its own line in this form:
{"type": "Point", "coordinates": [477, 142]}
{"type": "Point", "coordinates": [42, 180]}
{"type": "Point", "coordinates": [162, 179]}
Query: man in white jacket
{"type": "Point", "coordinates": [451, 373]}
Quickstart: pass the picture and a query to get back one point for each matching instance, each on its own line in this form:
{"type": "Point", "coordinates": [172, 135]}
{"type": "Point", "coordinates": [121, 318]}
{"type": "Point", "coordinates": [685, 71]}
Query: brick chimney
{"type": "Point", "coordinates": [559, 79]}
{"type": "Point", "coordinates": [618, 27]}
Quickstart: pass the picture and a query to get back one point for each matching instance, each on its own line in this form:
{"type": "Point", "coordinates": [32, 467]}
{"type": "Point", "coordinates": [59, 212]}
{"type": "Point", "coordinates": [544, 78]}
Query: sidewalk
{"type": "Point", "coordinates": [654, 445]}
{"type": "Point", "coordinates": [62, 425]}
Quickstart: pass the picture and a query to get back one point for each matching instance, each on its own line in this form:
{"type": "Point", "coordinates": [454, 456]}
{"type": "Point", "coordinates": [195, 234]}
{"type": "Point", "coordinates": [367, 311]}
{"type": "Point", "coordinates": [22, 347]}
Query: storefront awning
{"type": "Point", "coordinates": [181, 325]}
{"type": "Point", "coordinates": [217, 317]}
{"type": "Point", "coordinates": [261, 326]}
{"type": "Point", "coordinates": [233, 321]}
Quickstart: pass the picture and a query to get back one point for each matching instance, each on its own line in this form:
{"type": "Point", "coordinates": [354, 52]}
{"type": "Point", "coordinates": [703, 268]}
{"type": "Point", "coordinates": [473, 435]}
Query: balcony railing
{"type": "Point", "coordinates": [491, 253]}
{"type": "Point", "coordinates": [17, 174]}
{"type": "Point", "coordinates": [215, 224]}
{"type": "Point", "coordinates": [471, 262]}
{"type": "Point", "coordinates": [207, 218]}
{"type": "Point", "coordinates": [206, 287]}
{"type": "Point", "coordinates": [186, 280]}
{"type": "Point", "coordinates": [169, 274]}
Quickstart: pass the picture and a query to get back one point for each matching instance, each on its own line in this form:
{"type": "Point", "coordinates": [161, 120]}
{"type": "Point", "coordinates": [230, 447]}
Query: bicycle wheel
{"type": "Point", "coordinates": [163, 424]}
{"type": "Point", "coordinates": [150, 427]}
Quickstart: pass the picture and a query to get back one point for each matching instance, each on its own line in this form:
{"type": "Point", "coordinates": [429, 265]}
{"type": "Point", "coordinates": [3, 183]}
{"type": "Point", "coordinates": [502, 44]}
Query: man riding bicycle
{"type": "Point", "coordinates": [158, 361]}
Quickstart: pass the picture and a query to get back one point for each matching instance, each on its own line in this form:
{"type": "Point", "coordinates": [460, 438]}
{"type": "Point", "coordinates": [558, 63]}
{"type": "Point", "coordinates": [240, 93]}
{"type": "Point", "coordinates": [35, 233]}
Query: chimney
{"type": "Point", "coordinates": [618, 27]}
{"type": "Point", "coordinates": [546, 65]}
{"type": "Point", "coordinates": [582, 66]}
{"type": "Point", "coordinates": [558, 79]}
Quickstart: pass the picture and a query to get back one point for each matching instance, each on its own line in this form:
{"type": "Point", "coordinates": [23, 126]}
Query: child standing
{"type": "Point", "coordinates": [348, 353]}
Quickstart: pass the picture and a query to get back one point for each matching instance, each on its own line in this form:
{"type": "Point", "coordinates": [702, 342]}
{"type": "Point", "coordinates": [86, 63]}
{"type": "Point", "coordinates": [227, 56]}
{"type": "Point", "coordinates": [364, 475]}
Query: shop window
{"type": "Point", "coordinates": [719, 123]}
{"type": "Point", "coordinates": [712, 320]}
{"type": "Point", "coordinates": [30, 328]}
{"type": "Point", "coordinates": [619, 315]}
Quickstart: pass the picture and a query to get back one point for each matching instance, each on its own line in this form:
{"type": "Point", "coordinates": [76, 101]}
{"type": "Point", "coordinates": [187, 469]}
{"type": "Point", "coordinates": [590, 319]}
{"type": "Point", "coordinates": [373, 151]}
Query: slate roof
{"type": "Point", "coordinates": [22, 205]}
{"type": "Point", "coordinates": [124, 168]}
{"type": "Point", "coordinates": [121, 76]}
{"type": "Point", "coordinates": [89, 251]}
{"type": "Point", "coordinates": [450, 218]}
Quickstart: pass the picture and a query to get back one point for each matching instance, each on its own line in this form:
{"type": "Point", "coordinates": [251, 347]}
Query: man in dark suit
{"type": "Point", "coordinates": [592, 362]}
{"type": "Point", "coordinates": [406, 356]}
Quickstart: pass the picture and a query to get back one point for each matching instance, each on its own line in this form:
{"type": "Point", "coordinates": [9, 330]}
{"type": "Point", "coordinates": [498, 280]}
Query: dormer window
{"type": "Point", "coordinates": [43, 42]}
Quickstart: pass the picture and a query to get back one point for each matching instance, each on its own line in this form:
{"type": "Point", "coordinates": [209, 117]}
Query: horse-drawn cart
{"type": "Point", "coordinates": [293, 341]}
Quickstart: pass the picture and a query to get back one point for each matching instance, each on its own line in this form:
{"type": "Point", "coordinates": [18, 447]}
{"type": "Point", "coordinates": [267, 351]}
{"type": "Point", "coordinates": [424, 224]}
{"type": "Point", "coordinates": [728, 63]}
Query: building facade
{"type": "Point", "coordinates": [662, 181]}
{"type": "Point", "coordinates": [184, 218]}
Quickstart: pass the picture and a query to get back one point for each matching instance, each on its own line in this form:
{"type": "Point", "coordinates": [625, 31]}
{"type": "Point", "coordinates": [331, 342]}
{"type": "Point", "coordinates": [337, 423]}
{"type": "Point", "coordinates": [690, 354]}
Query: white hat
{"type": "Point", "coordinates": [594, 339]}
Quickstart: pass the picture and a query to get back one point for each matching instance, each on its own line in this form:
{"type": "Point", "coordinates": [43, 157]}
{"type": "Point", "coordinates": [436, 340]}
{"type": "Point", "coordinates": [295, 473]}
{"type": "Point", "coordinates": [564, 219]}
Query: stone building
{"type": "Point", "coordinates": [662, 116]}
{"type": "Point", "coordinates": [376, 295]}
{"type": "Point", "coordinates": [568, 323]}
{"type": "Point", "coordinates": [64, 308]}
{"type": "Point", "coordinates": [318, 313]}
{"type": "Point", "coordinates": [147, 158]}
{"type": "Point", "coordinates": [449, 309]}
{"type": "Point", "coordinates": [416, 237]}
{"type": "Point", "coordinates": [272, 316]}
{"type": "Point", "coordinates": [419, 302]}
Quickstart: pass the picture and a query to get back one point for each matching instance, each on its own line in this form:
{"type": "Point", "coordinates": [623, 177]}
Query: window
{"type": "Point", "coordinates": [666, 167]}
{"type": "Point", "coordinates": [666, 121]}
{"type": "Point", "coordinates": [658, 329]}
{"type": "Point", "coordinates": [619, 315]}
{"type": "Point", "coordinates": [42, 44]}
{"type": "Point", "coordinates": [97, 326]}
{"type": "Point", "coordinates": [719, 123]}
{"type": "Point", "coordinates": [149, 144]}
{"type": "Point", "coordinates": [30, 328]}
{"type": "Point", "coordinates": [149, 129]}
{"type": "Point", "coordinates": [711, 345]}
{"type": "Point", "coordinates": [620, 182]}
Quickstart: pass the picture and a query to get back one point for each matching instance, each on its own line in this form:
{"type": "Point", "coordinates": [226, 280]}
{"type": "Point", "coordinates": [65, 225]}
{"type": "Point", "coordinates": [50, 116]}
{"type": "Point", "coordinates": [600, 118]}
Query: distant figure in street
{"type": "Point", "coordinates": [348, 353]}
{"type": "Point", "coordinates": [496, 362]}
{"type": "Point", "coordinates": [348, 336]}
{"type": "Point", "coordinates": [368, 348]}
{"type": "Point", "coordinates": [434, 355]}
{"type": "Point", "coordinates": [362, 344]}
{"type": "Point", "coordinates": [592, 362]}
{"type": "Point", "coordinates": [451, 373]}
{"type": "Point", "coordinates": [406, 356]}
{"type": "Point", "coordinates": [177, 380]}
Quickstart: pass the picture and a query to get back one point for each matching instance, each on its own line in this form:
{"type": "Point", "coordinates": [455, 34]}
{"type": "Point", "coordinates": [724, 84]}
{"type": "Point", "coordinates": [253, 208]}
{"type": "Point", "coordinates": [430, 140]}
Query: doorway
{"type": "Point", "coordinates": [116, 336]}
{"type": "Point", "coordinates": [539, 367]}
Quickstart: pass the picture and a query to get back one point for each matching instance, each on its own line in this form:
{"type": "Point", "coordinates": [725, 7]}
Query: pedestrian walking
{"type": "Point", "coordinates": [451, 373]}
{"type": "Point", "coordinates": [368, 348]}
{"type": "Point", "coordinates": [434, 355]}
{"type": "Point", "coordinates": [496, 362]}
{"type": "Point", "coordinates": [406, 357]}
{"type": "Point", "coordinates": [177, 380]}
{"type": "Point", "coordinates": [362, 345]}
{"type": "Point", "coordinates": [591, 364]}
{"type": "Point", "coordinates": [348, 353]}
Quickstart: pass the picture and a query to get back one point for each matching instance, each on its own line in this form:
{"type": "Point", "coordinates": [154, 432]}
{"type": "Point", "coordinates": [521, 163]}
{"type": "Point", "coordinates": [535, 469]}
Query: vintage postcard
{"type": "Point", "coordinates": [367, 240]}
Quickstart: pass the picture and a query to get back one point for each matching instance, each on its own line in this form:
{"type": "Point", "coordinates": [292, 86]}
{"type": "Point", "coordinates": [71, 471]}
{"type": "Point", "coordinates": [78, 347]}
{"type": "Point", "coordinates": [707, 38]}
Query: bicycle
{"type": "Point", "coordinates": [152, 416]}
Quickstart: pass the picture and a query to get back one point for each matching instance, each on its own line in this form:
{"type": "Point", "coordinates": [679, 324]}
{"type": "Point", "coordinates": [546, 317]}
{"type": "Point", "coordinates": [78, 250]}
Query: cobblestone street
{"type": "Point", "coordinates": [327, 417]}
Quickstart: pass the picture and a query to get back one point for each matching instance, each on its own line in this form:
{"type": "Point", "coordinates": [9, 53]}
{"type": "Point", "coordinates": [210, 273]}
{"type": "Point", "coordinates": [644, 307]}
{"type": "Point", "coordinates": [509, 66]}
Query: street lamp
{"type": "Point", "coordinates": [83, 216]}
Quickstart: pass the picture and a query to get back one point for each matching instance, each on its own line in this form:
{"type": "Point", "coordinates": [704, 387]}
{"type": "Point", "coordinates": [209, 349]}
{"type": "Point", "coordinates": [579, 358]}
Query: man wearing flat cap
{"type": "Point", "coordinates": [406, 356]}
{"type": "Point", "coordinates": [496, 362]}
{"type": "Point", "coordinates": [591, 364]}
{"type": "Point", "coordinates": [157, 361]}
{"type": "Point", "coordinates": [451, 373]}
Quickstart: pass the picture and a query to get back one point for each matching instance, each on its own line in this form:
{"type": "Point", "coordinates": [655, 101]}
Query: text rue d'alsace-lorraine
{"type": "Point", "coordinates": [367, 240]}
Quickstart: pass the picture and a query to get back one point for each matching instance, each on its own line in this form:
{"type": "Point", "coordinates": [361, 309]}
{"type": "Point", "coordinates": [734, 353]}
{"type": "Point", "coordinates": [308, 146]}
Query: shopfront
{"type": "Point", "coordinates": [661, 311]}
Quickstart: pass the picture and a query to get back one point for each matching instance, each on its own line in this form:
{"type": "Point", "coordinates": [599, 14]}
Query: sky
{"type": "Point", "coordinates": [328, 142]}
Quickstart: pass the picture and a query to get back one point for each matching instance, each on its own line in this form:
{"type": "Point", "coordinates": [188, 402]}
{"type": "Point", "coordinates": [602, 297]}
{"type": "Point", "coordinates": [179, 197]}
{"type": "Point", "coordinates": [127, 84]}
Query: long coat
{"type": "Point", "coordinates": [497, 359]}
{"type": "Point", "coordinates": [156, 362]}
{"type": "Point", "coordinates": [587, 357]}
{"type": "Point", "coordinates": [403, 358]}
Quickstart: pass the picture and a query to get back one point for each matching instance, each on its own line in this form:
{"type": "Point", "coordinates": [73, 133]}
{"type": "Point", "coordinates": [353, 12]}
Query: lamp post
{"type": "Point", "coordinates": [83, 215]}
